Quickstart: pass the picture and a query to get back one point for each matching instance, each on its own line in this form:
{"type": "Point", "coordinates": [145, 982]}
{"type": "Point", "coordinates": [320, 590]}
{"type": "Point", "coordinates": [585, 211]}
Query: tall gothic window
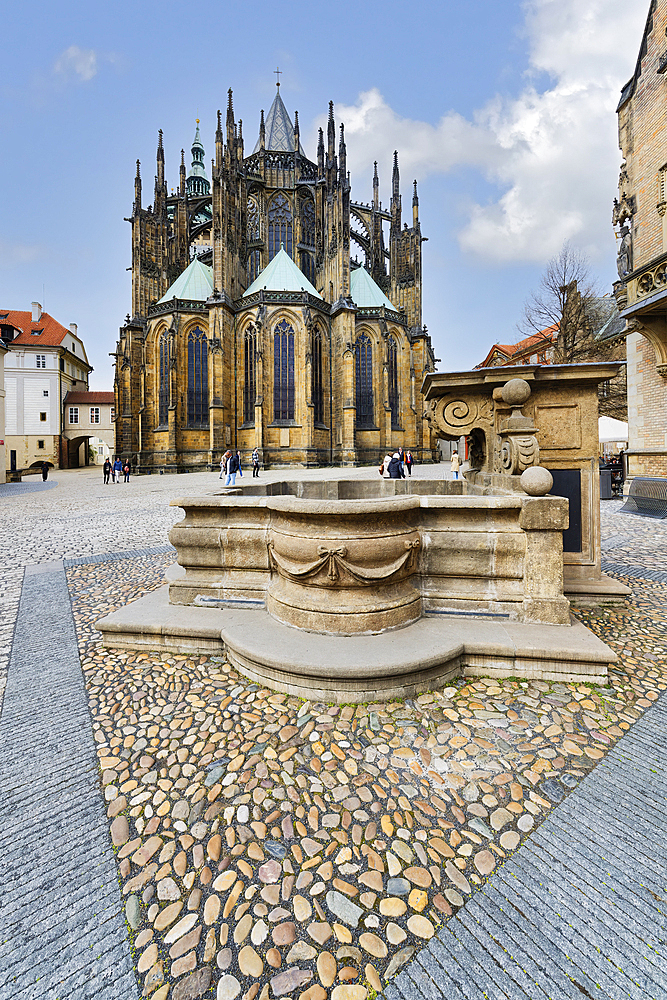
{"type": "Point", "coordinates": [253, 220]}
{"type": "Point", "coordinates": [307, 265]}
{"type": "Point", "coordinates": [283, 371]}
{"type": "Point", "coordinates": [197, 378]}
{"type": "Point", "coordinates": [280, 225]}
{"type": "Point", "coordinates": [163, 382]}
{"type": "Point", "coordinates": [392, 365]}
{"type": "Point", "coordinates": [316, 375]}
{"type": "Point", "coordinates": [364, 381]}
{"type": "Point", "coordinates": [253, 265]}
{"type": "Point", "coordinates": [249, 384]}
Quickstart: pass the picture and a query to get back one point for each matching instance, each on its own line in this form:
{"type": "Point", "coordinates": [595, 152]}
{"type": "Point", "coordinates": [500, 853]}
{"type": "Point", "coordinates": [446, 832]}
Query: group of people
{"type": "Point", "coordinates": [116, 469]}
{"type": "Point", "coordinates": [394, 466]}
{"type": "Point", "coordinates": [230, 466]}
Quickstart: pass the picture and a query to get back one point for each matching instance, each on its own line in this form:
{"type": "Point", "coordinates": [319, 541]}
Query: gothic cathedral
{"type": "Point", "coordinates": [252, 326]}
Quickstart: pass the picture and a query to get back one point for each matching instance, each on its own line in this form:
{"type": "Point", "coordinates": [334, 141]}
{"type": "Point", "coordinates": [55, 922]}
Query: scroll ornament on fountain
{"type": "Point", "coordinates": [518, 452]}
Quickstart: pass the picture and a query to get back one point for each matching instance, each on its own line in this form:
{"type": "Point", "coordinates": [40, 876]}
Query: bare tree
{"type": "Point", "coordinates": [566, 298]}
{"type": "Point", "coordinates": [587, 324]}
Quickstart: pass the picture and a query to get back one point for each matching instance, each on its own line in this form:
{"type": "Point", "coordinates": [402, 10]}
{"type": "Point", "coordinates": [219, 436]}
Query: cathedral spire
{"type": "Point", "coordinates": [320, 152]}
{"type": "Point", "coordinates": [342, 156]}
{"type": "Point", "coordinates": [137, 190]}
{"type": "Point", "coordinates": [262, 130]}
{"type": "Point", "coordinates": [218, 141]}
{"type": "Point", "coordinates": [395, 196]}
{"type": "Point", "coordinates": [296, 130]}
{"type": "Point", "coordinates": [415, 206]}
{"type": "Point", "coordinates": [231, 128]}
{"type": "Point", "coordinates": [160, 159]}
{"type": "Point", "coordinates": [376, 186]}
{"type": "Point", "coordinates": [331, 131]}
{"type": "Point", "coordinates": [198, 183]}
{"type": "Point", "coordinates": [181, 174]}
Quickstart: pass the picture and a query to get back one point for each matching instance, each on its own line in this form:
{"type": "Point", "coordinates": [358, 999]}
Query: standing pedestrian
{"type": "Point", "coordinates": [401, 458]}
{"type": "Point", "coordinates": [126, 471]}
{"type": "Point", "coordinates": [106, 468]}
{"type": "Point", "coordinates": [385, 467]}
{"type": "Point", "coordinates": [395, 470]}
{"type": "Point", "coordinates": [409, 462]}
{"type": "Point", "coordinates": [255, 463]}
{"type": "Point", "coordinates": [455, 464]}
{"type": "Point", "coordinates": [45, 471]}
{"type": "Point", "coordinates": [223, 462]}
{"type": "Point", "coordinates": [117, 469]}
{"type": "Point", "coordinates": [238, 460]}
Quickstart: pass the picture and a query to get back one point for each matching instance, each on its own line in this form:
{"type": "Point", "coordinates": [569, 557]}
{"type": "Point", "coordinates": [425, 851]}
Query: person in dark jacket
{"type": "Point", "coordinates": [106, 469]}
{"type": "Point", "coordinates": [395, 471]}
{"type": "Point", "coordinates": [232, 466]}
{"type": "Point", "coordinates": [45, 471]}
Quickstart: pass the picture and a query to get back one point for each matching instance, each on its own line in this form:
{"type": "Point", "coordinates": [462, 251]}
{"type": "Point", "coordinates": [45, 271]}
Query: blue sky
{"type": "Point", "coordinates": [504, 111]}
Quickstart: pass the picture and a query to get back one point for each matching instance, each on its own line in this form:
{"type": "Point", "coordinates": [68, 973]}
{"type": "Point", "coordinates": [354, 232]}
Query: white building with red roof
{"type": "Point", "coordinates": [44, 362]}
{"type": "Point", "coordinates": [89, 423]}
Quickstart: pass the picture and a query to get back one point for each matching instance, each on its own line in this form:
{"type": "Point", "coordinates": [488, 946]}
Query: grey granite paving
{"type": "Point", "coordinates": [22, 489]}
{"type": "Point", "coordinates": [636, 572]}
{"type": "Point", "coordinates": [580, 911]}
{"type": "Point", "coordinates": [62, 933]}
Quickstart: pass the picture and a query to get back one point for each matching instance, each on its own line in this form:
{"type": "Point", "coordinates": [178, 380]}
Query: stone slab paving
{"type": "Point", "coordinates": [581, 908]}
{"type": "Point", "coordinates": [62, 932]}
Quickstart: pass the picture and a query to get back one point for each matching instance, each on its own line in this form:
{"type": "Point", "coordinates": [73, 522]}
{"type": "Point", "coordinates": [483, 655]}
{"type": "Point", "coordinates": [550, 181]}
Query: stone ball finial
{"type": "Point", "coordinates": [536, 481]}
{"type": "Point", "coordinates": [515, 392]}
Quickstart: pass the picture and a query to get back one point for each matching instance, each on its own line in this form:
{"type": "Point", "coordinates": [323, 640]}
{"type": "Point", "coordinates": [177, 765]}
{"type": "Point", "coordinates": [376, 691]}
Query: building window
{"type": "Point", "coordinates": [94, 414]}
{"type": "Point", "coordinates": [392, 373]}
{"type": "Point", "coordinates": [40, 444]}
{"type": "Point", "coordinates": [42, 417]}
{"type": "Point", "coordinates": [163, 383]}
{"type": "Point", "coordinates": [197, 378]}
{"type": "Point", "coordinates": [253, 220]}
{"type": "Point", "coordinates": [280, 226]}
{"type": "Point", "coordinates": [249, 384]}
{"type": "Point", "coordinates": [316, 374]}
{"type": "Point", "coordinates": [112, 414]}
{"type": "Point", "coordinates": [283, 371]}
{"type": "Point", "coordinates": [364, 381]}
{"type": "Point", "coordinates": [45, 392]}
{"type": "Point", "coordinates": [307, 265]}
{"type": "Point", "coordinates": [253, 265]}
{"type": "Point", "coordinates": [40, 360]}
{"type": "Point", "coordinates": [74, 414]}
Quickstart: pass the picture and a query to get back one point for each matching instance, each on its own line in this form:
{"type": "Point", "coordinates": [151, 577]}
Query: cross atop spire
{"type": "Point", "coordinates": [278, 73]}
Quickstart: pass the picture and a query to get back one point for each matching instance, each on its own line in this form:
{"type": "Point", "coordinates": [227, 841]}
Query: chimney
{"type": "Point", "coordinates": [73, 327]}
{"type": "Point", "coordinates": [36, 311]}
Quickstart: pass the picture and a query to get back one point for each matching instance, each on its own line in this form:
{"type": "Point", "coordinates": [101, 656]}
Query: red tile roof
{"type": "Point", "coordinates": [511, 350]}
{"type": "Point", "coordinates": [90, 398]}
{"type": "Point", "coordinates": [52, 334]}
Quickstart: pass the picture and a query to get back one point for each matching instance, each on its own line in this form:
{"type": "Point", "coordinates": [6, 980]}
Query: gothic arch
{"type": "Point", "coordinates": [280, 224]}
{"type": "Point", "coordinates": [196, 341]}
{"type": "Point", "coordinates": [284, 340]}
{"type": "Point", "coordinates": [364, 380]}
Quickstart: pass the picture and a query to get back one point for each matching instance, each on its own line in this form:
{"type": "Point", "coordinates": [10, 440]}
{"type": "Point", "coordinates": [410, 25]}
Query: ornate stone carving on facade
{"type": "Point", "coordinates": [624, 258]}
{"type": "Point", "coordinates": [338, 569]}
{"type": "Point", "coordinates": [517, 448]}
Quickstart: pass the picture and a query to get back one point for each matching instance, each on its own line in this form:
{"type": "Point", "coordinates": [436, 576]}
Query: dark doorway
{"type": "Point", "coordinates": [12, 461]}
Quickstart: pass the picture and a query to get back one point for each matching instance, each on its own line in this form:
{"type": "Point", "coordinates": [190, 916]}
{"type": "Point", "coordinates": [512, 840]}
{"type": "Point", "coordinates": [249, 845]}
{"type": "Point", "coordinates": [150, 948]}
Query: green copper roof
{"type": "Point", "coordinates": [364, 292]}
{"type": "Point", "coordinates": [195, 283]}
{"type": "Point", "coordinates": [282, 275]}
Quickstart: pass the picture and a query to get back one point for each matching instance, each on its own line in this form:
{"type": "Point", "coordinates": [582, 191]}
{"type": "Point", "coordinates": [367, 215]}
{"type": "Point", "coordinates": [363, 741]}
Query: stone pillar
{"type": "Point", "coordinates": [349, 455]}
{"type": "Point", "coordinates": [543, 519]}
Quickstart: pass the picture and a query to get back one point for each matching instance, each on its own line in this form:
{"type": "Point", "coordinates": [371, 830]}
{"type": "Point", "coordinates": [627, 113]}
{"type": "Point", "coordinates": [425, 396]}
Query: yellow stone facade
{"type": "Point", "coordinates": [311, 366]}
{"type": "Point", "coordinates": [640, 213]}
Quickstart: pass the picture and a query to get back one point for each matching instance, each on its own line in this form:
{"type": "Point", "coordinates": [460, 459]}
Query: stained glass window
{"type": "Point", "coordinates": [249, 390]}
{"type": "Point", "coordinates": [364, 381]}
{"type": "Point", "coordinates": [197, 378]}
{"type": "Point", "coordinates": [163, 383]}
{"type": "Point", "coordinates": [283, 371]}
{"type": "Point", "coordinates": [307, 265]}
{"type": "Point", "coordinates": [253, 220]}
{"type": "Point", "coordinates": [392, 362]}
{"type": "Point", "coordinates": [317, 382]}
{"type": "Point", "coordinates": [280, 225]}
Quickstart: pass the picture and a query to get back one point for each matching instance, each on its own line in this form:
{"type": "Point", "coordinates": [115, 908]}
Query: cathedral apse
{"type": "Point", "coordinates": [270, 310]}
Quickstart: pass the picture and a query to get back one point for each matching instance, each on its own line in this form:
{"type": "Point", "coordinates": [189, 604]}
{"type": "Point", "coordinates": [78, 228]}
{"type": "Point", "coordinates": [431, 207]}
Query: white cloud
{"type": "Point", "coordinates": [77, 62]}
{"type": "Point", "coordinates": [552, 153]}
{"type": "Point", "coordinates": [15, 254]}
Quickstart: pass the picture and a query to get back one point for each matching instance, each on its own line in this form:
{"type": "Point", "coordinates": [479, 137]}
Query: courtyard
{"type": "Point", "coordinates": [171, 830]}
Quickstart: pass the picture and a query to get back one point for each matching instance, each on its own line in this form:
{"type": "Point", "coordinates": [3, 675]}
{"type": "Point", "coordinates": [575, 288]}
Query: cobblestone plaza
{"type": "Point", "coordinates": [170, 830]}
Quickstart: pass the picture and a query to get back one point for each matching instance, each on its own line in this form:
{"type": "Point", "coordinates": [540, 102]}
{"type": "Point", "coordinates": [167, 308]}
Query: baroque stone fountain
{"type": "Point", "coordinates": [345, 590]}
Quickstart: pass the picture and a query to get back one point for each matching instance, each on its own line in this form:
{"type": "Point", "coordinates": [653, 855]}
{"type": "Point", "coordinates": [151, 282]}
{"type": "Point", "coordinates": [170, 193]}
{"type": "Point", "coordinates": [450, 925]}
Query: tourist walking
{"type": "Point", "coordinates": [255, 463]}
{"type": "Point", "coordinates": [126, 471]}
{"type": "Point", "coordinates": [106, 469]}
{"type": "Point", "coordinates": [45, 471]}
{"type": "Point", "coordinates": [409, 462]}
{"type": "Point", "coordinates": [395, 470]}
{"type": "Point", "coordinates": [117, 469]}
{"type": "Point", "coordinates": [455, 464]}
{"type": "Point", "coordinates": [230, 466]}
{"type": "Point", "coordinates": [238, 459]}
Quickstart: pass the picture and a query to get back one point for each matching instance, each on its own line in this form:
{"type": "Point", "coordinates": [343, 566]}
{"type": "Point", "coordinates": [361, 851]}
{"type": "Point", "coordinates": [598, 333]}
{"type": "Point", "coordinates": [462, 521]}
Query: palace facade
{"type": "Point", "coordinates": [251, 324]}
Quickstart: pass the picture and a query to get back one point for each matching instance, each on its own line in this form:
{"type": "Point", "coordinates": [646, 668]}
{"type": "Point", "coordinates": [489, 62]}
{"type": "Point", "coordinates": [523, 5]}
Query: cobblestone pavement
{"type": "Point", "coordinates": [267, 847]}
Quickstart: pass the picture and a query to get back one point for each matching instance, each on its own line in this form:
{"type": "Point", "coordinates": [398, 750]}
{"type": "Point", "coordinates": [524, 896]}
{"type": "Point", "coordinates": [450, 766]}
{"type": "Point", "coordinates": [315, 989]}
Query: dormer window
{"type": "Point", "coordinates": [36, 333]}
